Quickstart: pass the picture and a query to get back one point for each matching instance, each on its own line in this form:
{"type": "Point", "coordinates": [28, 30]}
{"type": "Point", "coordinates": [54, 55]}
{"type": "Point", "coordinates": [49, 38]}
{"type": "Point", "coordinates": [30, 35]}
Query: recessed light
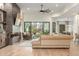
{"type": "Point", "coordinates": [52, 11]}
{"type": "Point", "coordinates": [28, 8]}
{"type": "Point", "coordinates": [56, 5]}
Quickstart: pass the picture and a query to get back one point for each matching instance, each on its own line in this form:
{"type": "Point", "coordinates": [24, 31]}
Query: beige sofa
{"type": "Point", "coordinates": [53, 41]}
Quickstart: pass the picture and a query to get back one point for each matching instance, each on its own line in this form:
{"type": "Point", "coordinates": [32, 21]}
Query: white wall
{"type": "Point", "coordinates": [15, 28]}
{"type": "Point", "coordinates": [76, 23]}
{"type": "Point", "coordinates": [62, 20]}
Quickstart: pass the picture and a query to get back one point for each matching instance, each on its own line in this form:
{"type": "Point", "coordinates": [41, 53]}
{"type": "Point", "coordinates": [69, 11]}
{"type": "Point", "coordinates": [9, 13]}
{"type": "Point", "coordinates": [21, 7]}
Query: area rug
{"type": "Point", "coordinates": [26, 43]}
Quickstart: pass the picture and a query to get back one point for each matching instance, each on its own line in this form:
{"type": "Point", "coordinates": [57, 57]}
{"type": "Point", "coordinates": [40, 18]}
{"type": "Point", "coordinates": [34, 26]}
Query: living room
{"type": "Point", "coordinates": [41, 25]}
{"type": "Point", "coordinates": [47, 23]}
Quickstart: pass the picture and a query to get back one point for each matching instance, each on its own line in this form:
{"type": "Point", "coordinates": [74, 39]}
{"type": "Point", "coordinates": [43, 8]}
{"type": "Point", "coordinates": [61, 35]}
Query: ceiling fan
{"type": "Point", "coordinates": [44, 10]}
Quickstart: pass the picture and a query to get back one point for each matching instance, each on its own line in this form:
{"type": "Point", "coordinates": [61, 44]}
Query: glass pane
{"type": "Point", "coordinates": [54, 27]}
{"type": "Point", "coordinates": [36, 29]}
{"type": "Point", "coordinates": [46, 28]}
{"type": "Point", "coordinates": [27, 27]}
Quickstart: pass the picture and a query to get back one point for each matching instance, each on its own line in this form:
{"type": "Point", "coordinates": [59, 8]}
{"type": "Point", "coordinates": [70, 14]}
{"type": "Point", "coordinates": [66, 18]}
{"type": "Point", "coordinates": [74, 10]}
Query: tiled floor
{"type": "Point", "coordinates": [16, 50]}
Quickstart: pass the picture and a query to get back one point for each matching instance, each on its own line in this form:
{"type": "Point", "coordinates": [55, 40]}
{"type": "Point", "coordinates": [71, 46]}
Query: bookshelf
{"type": "Point", "coordinates": [2, 29]}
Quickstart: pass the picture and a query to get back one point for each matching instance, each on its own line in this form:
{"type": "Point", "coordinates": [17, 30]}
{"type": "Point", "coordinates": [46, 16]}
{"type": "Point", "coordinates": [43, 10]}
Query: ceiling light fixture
{"type": "Point", "coordinates": [56, 5]}
{"type": "Point", "coordinates": [52, 11]}
{"type": "Point", "coordinates": [44, 10]}
{"type": "Point", "coordinates": [28, 8]}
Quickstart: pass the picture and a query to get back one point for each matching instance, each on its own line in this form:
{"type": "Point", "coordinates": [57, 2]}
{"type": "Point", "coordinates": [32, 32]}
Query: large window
{"type": "Point", "coordinates": [53, 27]}
{"type": "Point", "coordinates": [62, 28]}
{"type": "Point", "coordinates": [37, 28]}
{"type": "Point", "coordinates": [46, 28]}
{"type": "Point", "coordinates": [27, 27]}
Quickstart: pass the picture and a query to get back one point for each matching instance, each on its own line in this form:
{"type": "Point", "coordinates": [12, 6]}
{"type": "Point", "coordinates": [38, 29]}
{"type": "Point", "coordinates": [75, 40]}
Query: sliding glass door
{"type": "Point", "coordinates": [27, 27]}
{"type": "Point", "coordinates": [46, 28]}
{"type": "Point", "coordinates": [37, 28]}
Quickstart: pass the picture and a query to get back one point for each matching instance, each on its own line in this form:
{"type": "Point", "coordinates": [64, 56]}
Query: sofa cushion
{"type": "Point", "coordinates": [56, 37]}
{"type": "Point", "coordinates": [55, 42]}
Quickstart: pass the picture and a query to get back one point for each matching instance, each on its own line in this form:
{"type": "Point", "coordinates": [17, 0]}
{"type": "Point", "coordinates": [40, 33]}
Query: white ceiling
{"type": "Point", "coordinates": [59, 9]}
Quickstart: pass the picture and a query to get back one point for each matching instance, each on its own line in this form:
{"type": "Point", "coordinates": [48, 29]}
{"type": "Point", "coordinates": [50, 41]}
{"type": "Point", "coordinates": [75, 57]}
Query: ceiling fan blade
{"type": "Point", "coordinates": [44, 11]}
